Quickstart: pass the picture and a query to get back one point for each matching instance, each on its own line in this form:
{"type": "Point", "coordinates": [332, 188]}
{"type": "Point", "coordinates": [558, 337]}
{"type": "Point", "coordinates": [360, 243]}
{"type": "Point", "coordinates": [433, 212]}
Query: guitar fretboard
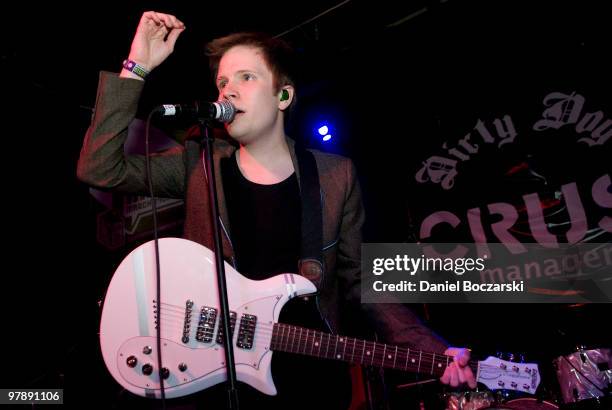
{"type": "Point", "coordinates": [295, 339]}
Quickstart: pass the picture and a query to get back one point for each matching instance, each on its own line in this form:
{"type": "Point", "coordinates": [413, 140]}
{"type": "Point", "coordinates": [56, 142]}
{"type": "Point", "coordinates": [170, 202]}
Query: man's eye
{"type": "Point", "coordinates": [247, 76]}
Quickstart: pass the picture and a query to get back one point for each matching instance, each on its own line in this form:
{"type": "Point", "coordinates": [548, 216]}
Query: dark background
{"type": "Point", "coordinates": [396, 88]}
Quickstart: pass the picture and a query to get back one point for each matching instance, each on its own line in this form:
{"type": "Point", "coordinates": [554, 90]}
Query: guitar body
{"type": "Point", "coordinates": [189, 319]}
{"type": "Point", "coordinates": [191, 349]}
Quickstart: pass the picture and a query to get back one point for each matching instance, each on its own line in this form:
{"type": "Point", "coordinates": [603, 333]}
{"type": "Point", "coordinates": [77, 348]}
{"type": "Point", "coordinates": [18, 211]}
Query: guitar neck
{"type": "Point", "coordinates": [299, 340]}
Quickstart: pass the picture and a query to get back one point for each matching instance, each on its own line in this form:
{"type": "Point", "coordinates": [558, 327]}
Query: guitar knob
{"type": "Point", "coordinates": [131, 361]}
{"type": "Point", "coordinates": [165, 372]}
{"type": "Point", "coordinates": [147, 369]}
{"type": "Point", "coordinates": [182, 367]}
{"type": "Point", "coordinates": [147, 350]}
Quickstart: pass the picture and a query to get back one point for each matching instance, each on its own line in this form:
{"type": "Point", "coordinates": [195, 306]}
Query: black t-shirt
{"type": "Point", "coordinates": [264, 221]}
{"type": "Point", "coordinates": [265, 224]}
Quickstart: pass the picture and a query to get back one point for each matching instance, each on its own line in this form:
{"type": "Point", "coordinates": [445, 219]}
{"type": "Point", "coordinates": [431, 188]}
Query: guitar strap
{"type": "Point", "coordinates": [311, 253]}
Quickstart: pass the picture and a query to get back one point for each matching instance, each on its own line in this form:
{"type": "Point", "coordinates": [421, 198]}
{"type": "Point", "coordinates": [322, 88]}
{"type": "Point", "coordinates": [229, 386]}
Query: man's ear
{"type": "Point", "coordinates": [285, 97]}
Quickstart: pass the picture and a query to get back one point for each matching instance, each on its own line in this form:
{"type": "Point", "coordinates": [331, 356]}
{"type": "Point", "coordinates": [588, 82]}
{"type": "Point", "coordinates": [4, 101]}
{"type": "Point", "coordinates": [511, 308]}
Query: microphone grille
{"type": "Point", "coordinates": [226, 111]}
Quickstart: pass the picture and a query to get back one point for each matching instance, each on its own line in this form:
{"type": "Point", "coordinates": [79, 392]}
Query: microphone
{"type": "Point", "coordinates": [222, 110]}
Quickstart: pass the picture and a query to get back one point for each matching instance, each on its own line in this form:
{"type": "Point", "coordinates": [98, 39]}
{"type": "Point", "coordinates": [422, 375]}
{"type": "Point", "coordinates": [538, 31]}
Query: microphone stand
{"type": "Point", "coordinates": [225, 313]}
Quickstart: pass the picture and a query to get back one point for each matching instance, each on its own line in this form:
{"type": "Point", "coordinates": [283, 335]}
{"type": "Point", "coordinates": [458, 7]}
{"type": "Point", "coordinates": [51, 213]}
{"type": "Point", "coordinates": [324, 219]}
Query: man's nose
{"type": "Point", "coordinates": [229, 92]}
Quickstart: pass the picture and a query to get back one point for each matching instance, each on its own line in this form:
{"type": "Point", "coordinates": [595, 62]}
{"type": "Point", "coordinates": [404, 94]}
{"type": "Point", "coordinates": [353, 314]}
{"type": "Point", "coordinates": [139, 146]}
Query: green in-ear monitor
{"type": "Point", "coordinates": [284, 95]}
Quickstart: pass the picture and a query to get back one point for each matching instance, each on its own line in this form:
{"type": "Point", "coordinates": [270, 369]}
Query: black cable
{"type": "Point", "coordinates": [157, 268]}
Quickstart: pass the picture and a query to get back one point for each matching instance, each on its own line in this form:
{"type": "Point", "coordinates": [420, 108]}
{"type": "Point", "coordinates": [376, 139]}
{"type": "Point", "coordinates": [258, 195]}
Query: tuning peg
{"type": "Point", "coordinates": [501, 383]}
{"type": "Point", "coordinates": [526, 386]}
{"type": "Point", "coordinates": [515, 369]}
{"type": "Point", "coordinates": [527, 370]}
{"type": "Point", "coordinates": [502, 366]}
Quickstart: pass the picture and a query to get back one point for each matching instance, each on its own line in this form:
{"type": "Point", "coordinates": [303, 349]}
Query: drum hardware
{"type": "Point", "coordinates": [584, 374]}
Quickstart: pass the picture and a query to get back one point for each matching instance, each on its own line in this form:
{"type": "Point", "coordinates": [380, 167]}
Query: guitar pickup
{"type": "Point", "coordinates": [246, 331]}
{"type": "Point", "coordinates": [206, 324]}
{"type": "Point", "coordinates": [232, 326]}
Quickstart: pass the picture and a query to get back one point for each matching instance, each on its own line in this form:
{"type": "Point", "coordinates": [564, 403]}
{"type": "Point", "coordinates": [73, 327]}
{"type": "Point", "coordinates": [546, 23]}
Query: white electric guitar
{"type": "Point", "coordinates": [192, 346]}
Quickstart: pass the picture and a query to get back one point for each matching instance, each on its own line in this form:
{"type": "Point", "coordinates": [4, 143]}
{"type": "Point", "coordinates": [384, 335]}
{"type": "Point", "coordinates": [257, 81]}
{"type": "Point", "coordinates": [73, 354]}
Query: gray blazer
{"type": "Point", "coordinates": [179, 173]}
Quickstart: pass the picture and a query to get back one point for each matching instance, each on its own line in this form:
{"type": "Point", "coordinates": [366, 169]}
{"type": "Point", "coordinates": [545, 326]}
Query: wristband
{"type": "Point", "coordinates": [135, 68]}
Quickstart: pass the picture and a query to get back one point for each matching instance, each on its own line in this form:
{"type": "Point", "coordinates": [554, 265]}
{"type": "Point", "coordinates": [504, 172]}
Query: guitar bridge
{"type": "Point", "coordinates": [246, 332]}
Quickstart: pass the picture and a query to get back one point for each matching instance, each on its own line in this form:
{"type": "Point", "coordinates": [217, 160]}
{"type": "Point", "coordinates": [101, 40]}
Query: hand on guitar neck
{"type": "Point", "coordinates": [459, 371]}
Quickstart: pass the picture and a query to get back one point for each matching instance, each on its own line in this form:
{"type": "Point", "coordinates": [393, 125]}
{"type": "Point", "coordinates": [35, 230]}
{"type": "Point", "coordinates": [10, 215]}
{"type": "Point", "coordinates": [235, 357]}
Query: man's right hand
{"type": "Point", "coordinates": [154, 40]}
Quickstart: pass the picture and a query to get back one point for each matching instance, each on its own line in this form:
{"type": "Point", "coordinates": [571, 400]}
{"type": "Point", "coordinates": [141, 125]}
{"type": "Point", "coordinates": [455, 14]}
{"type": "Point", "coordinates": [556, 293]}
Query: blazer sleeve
{"type": "Point", "coordinates": [396, 323]}
{"type": "Point", "coordinates": [103, 163]}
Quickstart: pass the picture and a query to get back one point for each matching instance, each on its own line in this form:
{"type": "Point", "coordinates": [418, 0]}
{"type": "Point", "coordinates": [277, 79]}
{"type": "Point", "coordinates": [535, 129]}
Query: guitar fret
{"type": "Point", "coordinates": [433, 362]}
{"type": "Point", "coordinates": [407, 356]}
{"type": "Point", "coordinates": [291, 344]}
{"type": "Point", "coordinates": [373, 354]}
{"type": "Point", "coordinates": [275, 329]}
{"type": "Point", "coordinates": [311, 342]}
{"type": "Point", "coordinates": [419, 367]}
{"type": "Point", "coordinates": [312, 345]}
{"type": "Point", "coordinates": [363, 351]}
{"type": "Point", "coordinates": [327, 348]}
{"type": "Point", "coordinates": [320, 344]}
{"type": "Point", "coordinates": [282, 337]}
{"type": "Point", "coordinates": [285, 337]}
{"type": "Point", "coordinates": [353, 354]}
{"type": "Point", "coordinates": [395, 358]}
{"type": "Point", "coordinates": [293, 339]}
{"type": "Point", "coordinates": [383, 356]}
{"type": "Point", "coordinates": [344, 348]}
{"type": "Point", "coordinates": [299, 341]}
{"type": "Point", "coordinates": [275, 336]}
{"type": "Point", "coordinates": [336, 348]}
{"type": "Point", "coordinates": [306, 342]}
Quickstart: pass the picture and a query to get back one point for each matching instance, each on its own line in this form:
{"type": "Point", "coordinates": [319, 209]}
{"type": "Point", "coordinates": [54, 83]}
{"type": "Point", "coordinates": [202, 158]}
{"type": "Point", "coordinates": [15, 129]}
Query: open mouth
{"type": "Point", "coordinates": [237, 113]}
